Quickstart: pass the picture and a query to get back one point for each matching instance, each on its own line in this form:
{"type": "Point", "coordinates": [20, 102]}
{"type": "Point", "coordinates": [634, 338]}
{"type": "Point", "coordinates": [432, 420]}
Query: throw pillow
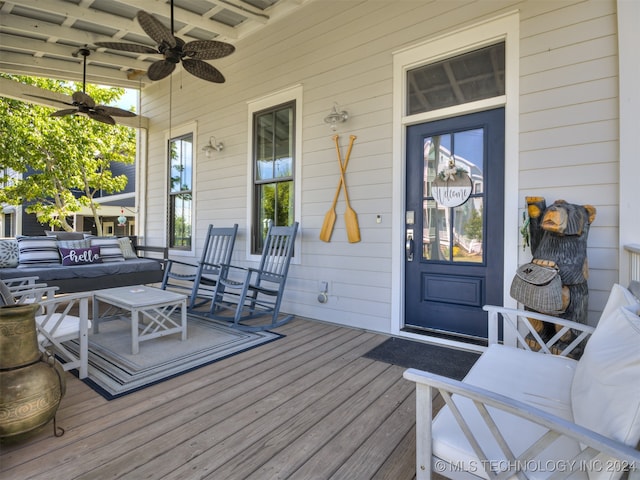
{"type": "Point", "coordinates": [127, 247]}
{"type": "Point", "coordinates": [8, 253]}
{"type": "Point", "coordinates": [37, 251]}
{"type": "Point", "coordinates": [84, 243]}
{"type": "Point", "coordinates": [62, 235]}
{"type": "Point", "coordinates": [80, 256]}
{"type": "Point", "coordinates": [605, 392]}
{"type": "Point", "coordinates": [109, 249]}
{"type": "Point", "coordinates": [619, 297]}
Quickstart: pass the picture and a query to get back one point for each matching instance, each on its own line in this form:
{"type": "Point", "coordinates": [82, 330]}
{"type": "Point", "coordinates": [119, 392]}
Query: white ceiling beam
{"type": "Point", "coordinates": [28, 45]}
{"type": "Point", "coordinates": [19, 91]}
{"type": "Point", "coordinates": [18, 64]}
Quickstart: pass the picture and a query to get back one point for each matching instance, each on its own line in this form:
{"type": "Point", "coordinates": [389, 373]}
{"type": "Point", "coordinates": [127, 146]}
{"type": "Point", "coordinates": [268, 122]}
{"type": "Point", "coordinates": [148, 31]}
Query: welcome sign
{"type": "Point", "coordinates": [452, 192]}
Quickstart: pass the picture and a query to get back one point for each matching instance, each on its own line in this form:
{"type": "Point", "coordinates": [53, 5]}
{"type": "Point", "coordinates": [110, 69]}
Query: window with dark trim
{"type": "Point", "coordinates": [180, 191]}
{"type": "Point", "coordinates": [273, 170]}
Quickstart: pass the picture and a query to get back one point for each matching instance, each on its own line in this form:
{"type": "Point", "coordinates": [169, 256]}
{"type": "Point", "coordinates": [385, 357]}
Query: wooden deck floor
{"type": "Point", "coordinates": [307, 406]}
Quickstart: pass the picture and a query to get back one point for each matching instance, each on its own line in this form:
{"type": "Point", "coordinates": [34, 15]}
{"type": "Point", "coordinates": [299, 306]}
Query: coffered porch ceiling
{"type": "Point", "coordinates": [38, 37]}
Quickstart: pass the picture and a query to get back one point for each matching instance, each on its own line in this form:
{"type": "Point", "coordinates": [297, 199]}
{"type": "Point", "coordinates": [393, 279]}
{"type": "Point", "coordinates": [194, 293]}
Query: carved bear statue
{"type": "Point", "coordinates": [558, 236]}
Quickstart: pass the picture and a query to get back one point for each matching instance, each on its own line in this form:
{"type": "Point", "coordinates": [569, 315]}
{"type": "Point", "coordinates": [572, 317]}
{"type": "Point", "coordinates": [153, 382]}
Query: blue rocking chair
{"type": "Point", "coordinates": [257, 292]}
{"type": "Point", "coordinates": [217, 251]}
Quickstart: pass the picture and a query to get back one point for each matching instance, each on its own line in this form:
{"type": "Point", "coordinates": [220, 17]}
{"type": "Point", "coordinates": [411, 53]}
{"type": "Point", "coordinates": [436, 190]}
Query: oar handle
{"type": "Point", "coordinates": [343, 168]}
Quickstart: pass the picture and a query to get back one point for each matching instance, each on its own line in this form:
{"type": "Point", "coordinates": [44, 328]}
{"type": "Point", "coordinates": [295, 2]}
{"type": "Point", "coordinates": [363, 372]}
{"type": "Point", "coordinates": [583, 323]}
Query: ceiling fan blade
{"type": "Point", "coordinates": [160, 69]}
{"type": "Point", "coordinates": [49, 99]}
{"type": "Point", "coordinates": [155, 29]}
{"type": "Point", "coordinates": [62, 113]}
{"type": "Point", "coordinates": [101, 117]}
{"type": "Point", "coordinates": [127, 47]}
{"type": "Point", "coordinates": [203, 70]}
{"type": "Point", "coordinates": [207, 49]}
{"type": "Point", "coordinates": [113, 111]}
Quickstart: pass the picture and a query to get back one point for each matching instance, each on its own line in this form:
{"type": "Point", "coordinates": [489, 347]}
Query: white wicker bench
{"type": "Point", "coordinates": [521, 413]}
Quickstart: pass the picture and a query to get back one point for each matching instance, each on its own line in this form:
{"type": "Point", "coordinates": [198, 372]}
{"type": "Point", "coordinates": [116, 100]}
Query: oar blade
{"type": "Point", "coordinates": [351, 221]}
{"type": "Point", "coordinates": [327, 225]}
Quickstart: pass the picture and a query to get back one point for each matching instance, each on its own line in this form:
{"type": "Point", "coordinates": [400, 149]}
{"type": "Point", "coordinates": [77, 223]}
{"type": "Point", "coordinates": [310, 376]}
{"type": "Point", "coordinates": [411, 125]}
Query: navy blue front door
{"type": "Point", "coordinates": [454, 254]}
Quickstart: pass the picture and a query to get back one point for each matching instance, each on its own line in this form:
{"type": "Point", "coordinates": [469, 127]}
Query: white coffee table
{"type": "Point", "coordinates": [150, 311]}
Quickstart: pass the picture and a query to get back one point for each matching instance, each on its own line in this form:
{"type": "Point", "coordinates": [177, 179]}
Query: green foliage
{"type": "Point", "coordinates": [473, 228]}
{"type": "Point", "coordinates": [62, 155]}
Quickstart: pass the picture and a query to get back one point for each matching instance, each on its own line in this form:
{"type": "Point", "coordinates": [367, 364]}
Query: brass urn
{"type": "Point", "coordinates": [31, 383]}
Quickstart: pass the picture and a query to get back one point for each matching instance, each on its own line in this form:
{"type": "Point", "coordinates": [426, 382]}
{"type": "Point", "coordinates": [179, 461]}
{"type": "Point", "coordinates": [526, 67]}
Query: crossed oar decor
{"type": "Point", "coordinates": [350, 216]}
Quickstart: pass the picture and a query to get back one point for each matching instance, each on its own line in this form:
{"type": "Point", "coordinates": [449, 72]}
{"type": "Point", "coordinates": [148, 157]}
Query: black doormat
{"type": "Point", "coordinates": [450, 362]}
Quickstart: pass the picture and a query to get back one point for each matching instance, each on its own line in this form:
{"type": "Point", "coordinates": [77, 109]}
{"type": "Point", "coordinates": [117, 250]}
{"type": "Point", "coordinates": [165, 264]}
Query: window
{"type": "Point", "coordinates": [462, 79]}
{"type": "Point", "coordinates": [273, 170]}
{"type": "Point", "coordinates": [180, 191]}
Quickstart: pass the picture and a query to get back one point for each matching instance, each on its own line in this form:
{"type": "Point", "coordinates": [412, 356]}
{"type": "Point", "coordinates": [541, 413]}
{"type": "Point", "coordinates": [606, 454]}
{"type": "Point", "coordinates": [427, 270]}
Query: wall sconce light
{"type": "Point", "coordinates": [211, 146]}
{"type": "Point", "coordinates": [336, 117]}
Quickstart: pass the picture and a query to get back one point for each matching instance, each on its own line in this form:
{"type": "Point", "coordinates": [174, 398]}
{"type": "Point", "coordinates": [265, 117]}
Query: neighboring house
{"type": "Point", "coordinates": [16, 221]}
{"type": "Point", "coordinates": [550, 87]}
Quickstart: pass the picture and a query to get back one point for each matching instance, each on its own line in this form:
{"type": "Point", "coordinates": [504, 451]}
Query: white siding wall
{"type": "Point", "coordinates": [341, 51]}
{"type": "Point", "coordinates": [569, 121]}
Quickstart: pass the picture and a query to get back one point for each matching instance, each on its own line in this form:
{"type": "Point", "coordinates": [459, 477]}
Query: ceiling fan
{"type": "Point", "coordinates": [84, 104]}
{"type": "Point", "coordinates": [175, 50]}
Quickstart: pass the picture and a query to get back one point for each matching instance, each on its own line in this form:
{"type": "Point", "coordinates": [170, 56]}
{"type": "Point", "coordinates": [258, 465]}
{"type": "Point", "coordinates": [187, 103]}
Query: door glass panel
{"type": "Point", "coordinates": [461, 79]}
{"type": "Point", "coordinates": [436, 240]}
{"type": "Point", "coordinates": [454, 234]}
{"type": "Point", "coordinates": [468, 231]}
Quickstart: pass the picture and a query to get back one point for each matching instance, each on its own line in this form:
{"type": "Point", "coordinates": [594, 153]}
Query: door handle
{"type": "Point", "coordinates": [408, 246]}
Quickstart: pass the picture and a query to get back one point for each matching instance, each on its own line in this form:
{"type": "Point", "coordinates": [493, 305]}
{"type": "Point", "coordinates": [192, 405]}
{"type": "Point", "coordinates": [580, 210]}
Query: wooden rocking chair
{"type": "Point", "coordinates": [257, 292]}
{"type": "Point", "coordinates": [217, 251]}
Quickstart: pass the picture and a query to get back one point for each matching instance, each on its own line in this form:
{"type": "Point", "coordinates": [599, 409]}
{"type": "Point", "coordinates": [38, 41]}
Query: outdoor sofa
{"type": "Point", "coordinates": [522, 413]}
{"type": "Point", "coordinates": [81, 264]}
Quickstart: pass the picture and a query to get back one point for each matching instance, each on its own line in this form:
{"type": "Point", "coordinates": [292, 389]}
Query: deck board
{"type": "Point", "coordinates": [306, 406]}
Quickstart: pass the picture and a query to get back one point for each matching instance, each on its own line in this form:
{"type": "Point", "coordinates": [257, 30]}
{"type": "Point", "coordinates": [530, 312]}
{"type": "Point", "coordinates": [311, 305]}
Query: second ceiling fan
{"type": "Point", "coordinates": [175, 50]}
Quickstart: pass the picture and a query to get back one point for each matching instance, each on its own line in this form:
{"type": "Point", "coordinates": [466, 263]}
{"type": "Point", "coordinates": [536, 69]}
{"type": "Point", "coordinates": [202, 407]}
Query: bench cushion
{"type": "Point", "coordinates": [605, 393]}
{"type": "Point", "coordinates": [543, 381]}
{"type": "Point", "coordinates": [58, 272]}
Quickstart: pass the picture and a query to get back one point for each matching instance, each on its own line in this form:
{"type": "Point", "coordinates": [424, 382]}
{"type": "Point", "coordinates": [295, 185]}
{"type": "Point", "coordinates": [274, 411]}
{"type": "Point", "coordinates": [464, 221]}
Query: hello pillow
{"type": "Point", "coordinates": [80, 256]}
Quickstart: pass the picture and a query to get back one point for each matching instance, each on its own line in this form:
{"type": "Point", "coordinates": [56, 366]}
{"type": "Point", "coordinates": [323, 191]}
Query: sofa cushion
{"type": "Point", "coordinates": [543, 381]}
{"type": "Point", "coordinates": [80, 256]}
{"type": "Point", "coordinates": [605, 393]}
{"type": "Point", "coordinates": [109, 248]}
{"type": "Point", "coordinates": [8, 253]}
{"type": "Point", "coordinates": [62, 235]}
{"type": "Point", "coordinates": [37, 251]}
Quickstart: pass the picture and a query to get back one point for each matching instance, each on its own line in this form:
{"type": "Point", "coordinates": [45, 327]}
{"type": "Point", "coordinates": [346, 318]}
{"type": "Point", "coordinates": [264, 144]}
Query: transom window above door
{"type": "Point", "coordinates": [461, 79]}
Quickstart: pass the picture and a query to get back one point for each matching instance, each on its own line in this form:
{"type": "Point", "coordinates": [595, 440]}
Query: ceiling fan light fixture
{"type": "Point", "coordinates": [84, 104]}
{"type": "Point", "coordinates": [175, 50]}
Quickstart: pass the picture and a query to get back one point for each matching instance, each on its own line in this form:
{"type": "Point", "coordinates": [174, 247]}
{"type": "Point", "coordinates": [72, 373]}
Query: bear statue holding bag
{"type": "Point", "coordinates": [555, 282]}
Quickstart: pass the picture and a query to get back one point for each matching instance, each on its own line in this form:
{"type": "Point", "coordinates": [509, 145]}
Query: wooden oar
{"type": "Point", "coordinates": [330, 217]}
{"type": "Point", "coordinates": [350, 216]}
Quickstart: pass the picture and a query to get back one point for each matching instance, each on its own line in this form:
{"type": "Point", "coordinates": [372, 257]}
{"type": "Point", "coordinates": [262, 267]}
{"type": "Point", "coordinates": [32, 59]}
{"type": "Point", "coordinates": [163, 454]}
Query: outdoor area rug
{"type": "Point", "coordinates": [114, 371]}
{"type": "Point", "coordinates": [450, 362]}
